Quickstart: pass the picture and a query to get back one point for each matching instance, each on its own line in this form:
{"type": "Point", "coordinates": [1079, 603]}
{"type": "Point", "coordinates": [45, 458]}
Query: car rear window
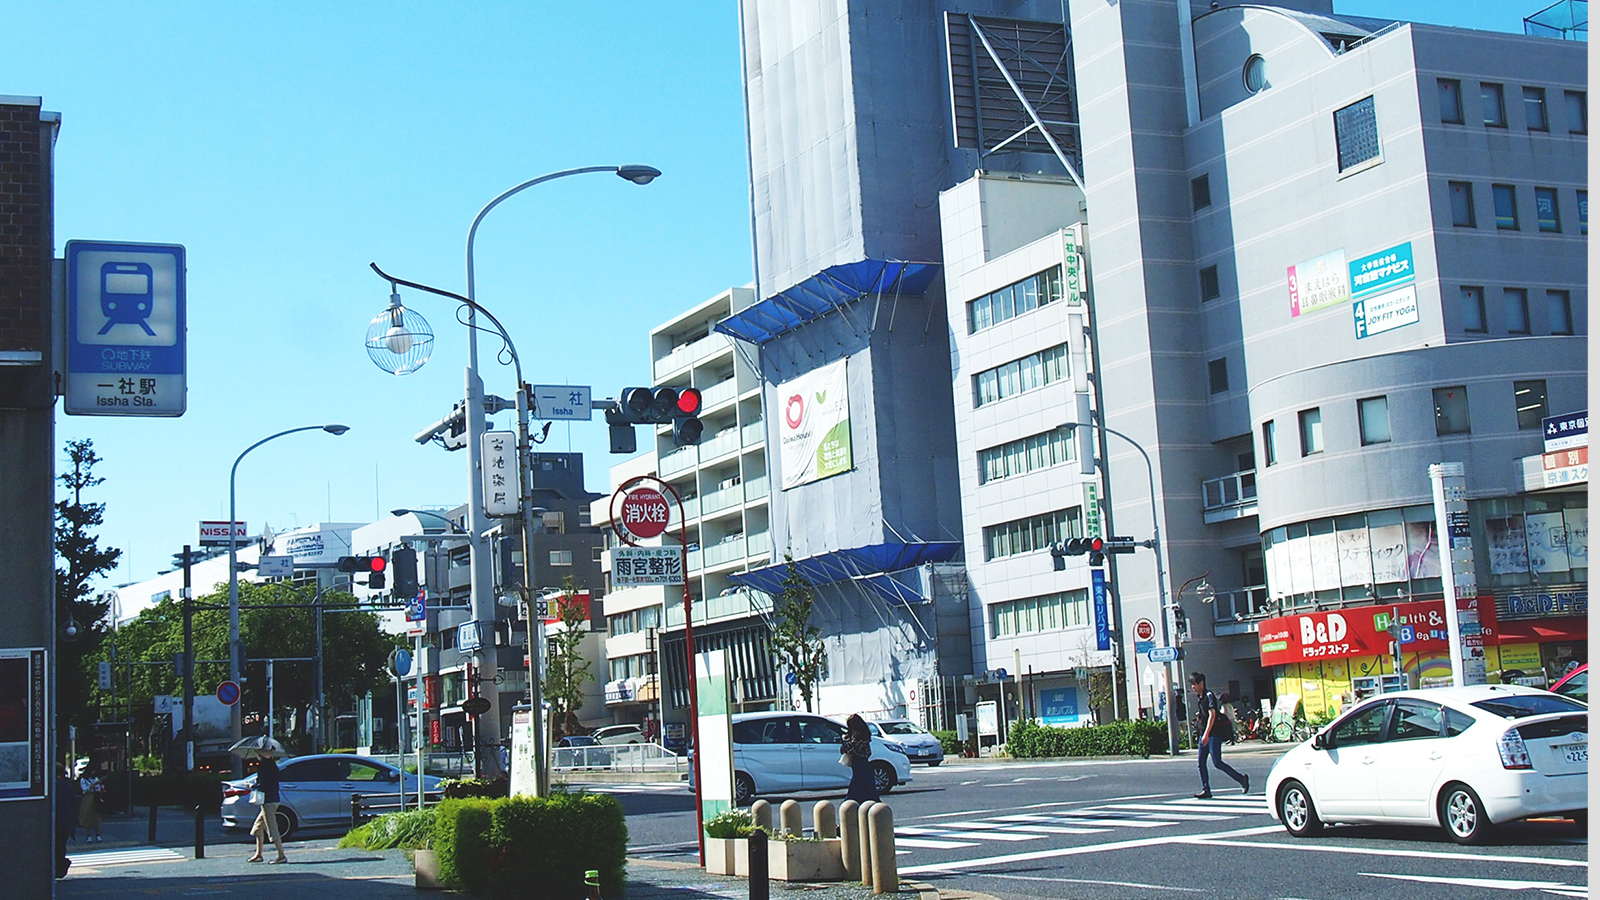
{"type": "Point", "coordinates": [1516, 706]}
{"type": "Point", "coordinates": [900, 728]}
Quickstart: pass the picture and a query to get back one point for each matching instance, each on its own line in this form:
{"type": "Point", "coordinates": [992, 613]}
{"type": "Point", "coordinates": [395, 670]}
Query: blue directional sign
{"type": "Point", "coordinates": [126, 330]}
{"type": "Point", "coordinates": [1164, 654]}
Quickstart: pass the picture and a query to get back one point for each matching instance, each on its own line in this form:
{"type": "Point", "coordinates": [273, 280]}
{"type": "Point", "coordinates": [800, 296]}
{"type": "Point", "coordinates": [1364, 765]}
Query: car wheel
{"type": "Point", "coordinates": [1295, 809]}
{"type": "Point", "coordinates": [1463, 816]}
{"type": "Point", "coordinates": [286, 823]}
{"type": "Point", "coordinates": [744, 789]}
{"type": "Point", "coordinates": [883, 777]}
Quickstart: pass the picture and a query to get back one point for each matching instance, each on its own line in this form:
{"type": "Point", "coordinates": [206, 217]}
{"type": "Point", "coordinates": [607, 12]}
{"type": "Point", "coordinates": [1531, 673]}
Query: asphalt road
{"type": "Point", "coordinates": [1108, 830]}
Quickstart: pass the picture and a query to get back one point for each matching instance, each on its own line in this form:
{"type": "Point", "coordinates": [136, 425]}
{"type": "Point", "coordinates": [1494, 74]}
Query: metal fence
{"type": "Point", "coordinates": [619, 758]}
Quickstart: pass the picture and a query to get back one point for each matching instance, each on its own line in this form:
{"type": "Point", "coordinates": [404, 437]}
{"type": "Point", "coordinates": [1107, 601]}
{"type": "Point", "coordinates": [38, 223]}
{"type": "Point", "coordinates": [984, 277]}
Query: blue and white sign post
{"type": "Point", "coordinates": [126, 330]}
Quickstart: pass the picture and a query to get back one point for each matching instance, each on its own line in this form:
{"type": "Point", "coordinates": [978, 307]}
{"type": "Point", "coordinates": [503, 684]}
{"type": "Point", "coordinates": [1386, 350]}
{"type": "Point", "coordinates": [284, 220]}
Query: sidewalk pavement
{"type": "Point", "coordinates": [124, 864]}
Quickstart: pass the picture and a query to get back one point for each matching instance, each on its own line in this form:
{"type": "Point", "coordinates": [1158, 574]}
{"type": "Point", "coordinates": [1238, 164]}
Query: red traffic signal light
{"type": "Point", "coordinates": [689, 402]}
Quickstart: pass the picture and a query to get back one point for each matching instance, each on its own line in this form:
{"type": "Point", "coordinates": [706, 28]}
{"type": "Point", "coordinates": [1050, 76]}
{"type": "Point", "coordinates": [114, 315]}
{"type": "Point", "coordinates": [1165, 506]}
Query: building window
{"type": "Point", "coordinates": [1545, 207]}
{"type": "Point", "coordinates": [1255, 73]}
{"type": "Point", "coordinates": [1450, 411]}
{"type": "Point", "coordinates": [1355, 130]}
{"type": "Point", "coordinates": [1051, 612]}
{"type": "Point", "coordinates": [1032, 533]}
{"type": "Point", "coordinates": [1374, 415]}
{"type": "Point", "coordinates": [1218, 369]}
{"type": "Point", "coordinates": [1516, 306]}
{"type": "Point", "coordinates": [1533, 404]}
{"type": "Point", "coordinates": [1558, 306]}
{"type": "Point", "coordinates": [1450, 101]}
{"type": "Point", "coordinates": [1494, 104]}
{"type": "Point", "coordinates": [1462, 214]}
{"type": "Point", "coordinates": [1039, 451]}
{"type": "Point", "coordinates": [1533, 108]}
{"type": "Point", "coordinates": [1505, 207]}
{"type": "Point", "coordinates": [1269, 442]}
{"type": "Point", "coordinates": [1200, 189]}
{"type": "Point", "coordinates": [1310, 431]}
{"type": "Point", "coordinates": [1210, 284]}
{"type": "Point", "coordinates": [1583, 212]}
{"type": "Point", "coordinates": [1577, 112]}
{"type": "Point", "coordinates": [560, 557]}
{"type": "Point", "coordinates": [1032, 371]}
{"type": "Point", "coordinates": [1472, 317]}
{"type": "Point", "coordinates": [1014, 299]}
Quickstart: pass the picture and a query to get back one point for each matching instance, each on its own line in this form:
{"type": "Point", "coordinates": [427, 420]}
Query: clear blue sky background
{"type": "Point", "coordinates": [287, 145]}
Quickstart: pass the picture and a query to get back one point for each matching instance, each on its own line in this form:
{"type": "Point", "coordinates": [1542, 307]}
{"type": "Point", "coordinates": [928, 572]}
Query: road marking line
{"type": "Point", "coordinates": [925, 843]}
{"type": "Point", "coordinates": [985, 835]}
{"type": "Point", "coordinates": [1495, 884]}
{"type": "Point", "coordinates": [958, 865]}
{"type": "Point", "coordinates": [123, 857]}
{"type": "Point", "coordinates": [1116, 823]}
{"type": "Point", "coordinates": [1412, 854]}
{"type": "Point", "coordinates": [1135, 884]}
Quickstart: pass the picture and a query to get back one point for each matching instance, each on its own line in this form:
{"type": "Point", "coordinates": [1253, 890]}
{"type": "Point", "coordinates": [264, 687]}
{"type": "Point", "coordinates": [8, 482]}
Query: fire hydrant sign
{"type": "Point", "coordinates": [646, 565]}
{"type": "Point", "coordinates": [645, 512]}
{"type": "Point", "coordinates": [126, 330]}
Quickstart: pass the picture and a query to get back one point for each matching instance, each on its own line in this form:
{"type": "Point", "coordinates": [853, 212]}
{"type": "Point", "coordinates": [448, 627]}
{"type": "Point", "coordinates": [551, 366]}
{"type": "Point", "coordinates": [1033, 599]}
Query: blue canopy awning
{"type": "Point", "coordinates": [871, 567]}
{"type": "Point", "coordinates": [823, 293]}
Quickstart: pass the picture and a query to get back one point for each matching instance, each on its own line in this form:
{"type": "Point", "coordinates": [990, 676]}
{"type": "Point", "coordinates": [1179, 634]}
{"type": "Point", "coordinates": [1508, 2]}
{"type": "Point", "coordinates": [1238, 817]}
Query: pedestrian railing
{"type": "Point", "coordinates": [619, 758]}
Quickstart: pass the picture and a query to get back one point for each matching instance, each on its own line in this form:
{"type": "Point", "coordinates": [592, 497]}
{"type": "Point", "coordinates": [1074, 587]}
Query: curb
{"type": "Point", "coordinates": [924, 891]}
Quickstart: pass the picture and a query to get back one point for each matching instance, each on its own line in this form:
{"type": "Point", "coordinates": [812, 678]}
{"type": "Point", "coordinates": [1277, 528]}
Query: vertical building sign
{"type": "Point", "coordinates": [1102, 625]}
{"type": "Point", "coordinates": [1074, 284]}
{"type": "Point", "coordinates": [1449, 482]}
{"type": "Point", "coordinates": [502, 481]}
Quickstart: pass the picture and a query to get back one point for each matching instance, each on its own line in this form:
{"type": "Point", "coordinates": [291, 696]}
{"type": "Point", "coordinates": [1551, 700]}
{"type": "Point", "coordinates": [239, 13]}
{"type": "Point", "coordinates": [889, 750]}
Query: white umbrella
{"type": "Point", "coordinates": [257, 746]}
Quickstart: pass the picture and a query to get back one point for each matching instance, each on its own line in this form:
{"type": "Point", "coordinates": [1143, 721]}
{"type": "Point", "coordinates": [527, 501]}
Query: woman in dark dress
{"type": "Point", "coordinates": [858, 745]}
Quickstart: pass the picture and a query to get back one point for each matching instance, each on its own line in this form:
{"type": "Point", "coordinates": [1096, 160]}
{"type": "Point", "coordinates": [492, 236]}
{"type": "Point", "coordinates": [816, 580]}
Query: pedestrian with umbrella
{"type": "Point", "coordinates": [265, 751]}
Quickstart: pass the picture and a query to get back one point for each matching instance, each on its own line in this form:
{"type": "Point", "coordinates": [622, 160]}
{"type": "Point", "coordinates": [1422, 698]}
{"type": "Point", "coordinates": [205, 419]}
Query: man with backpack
{"type": "Point", "coordinates": [1213, 728]}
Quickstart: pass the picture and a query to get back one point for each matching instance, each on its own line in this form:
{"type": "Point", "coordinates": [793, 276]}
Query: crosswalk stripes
{"type": "Point", "coordinates": [1091, 820]}
{"type": "Point", "coordinates": [124, 857]}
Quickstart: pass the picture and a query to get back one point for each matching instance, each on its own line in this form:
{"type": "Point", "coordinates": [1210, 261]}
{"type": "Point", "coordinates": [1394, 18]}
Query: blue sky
{"type": "Point", "coordinates": [287, 145]}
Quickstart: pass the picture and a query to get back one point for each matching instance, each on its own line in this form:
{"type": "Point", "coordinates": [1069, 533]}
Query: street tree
{"type": "Point", "coordinates": [568, 673]}
{"type": "Point", "coordinates": [797, 642]}
{"type": "Point", "coordinates": [80, 559]}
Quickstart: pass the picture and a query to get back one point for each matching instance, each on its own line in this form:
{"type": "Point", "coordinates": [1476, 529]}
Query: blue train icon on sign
{"type": "Point", "coordinates": [127, 295]}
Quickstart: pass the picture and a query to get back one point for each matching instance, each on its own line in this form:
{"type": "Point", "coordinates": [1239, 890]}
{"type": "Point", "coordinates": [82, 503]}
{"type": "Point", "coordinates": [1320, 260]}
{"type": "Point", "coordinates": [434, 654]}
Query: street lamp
{"type": "Point", "coordinates": [233, 573]}
{"type": "Point", "coordinates": [399, 344]}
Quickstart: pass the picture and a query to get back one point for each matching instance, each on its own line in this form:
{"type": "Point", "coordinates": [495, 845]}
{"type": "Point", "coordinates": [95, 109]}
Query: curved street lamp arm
{"type": "Point", "coordinates": [470, 303]}
{"type": "Point", "coordinates": [472, 233]}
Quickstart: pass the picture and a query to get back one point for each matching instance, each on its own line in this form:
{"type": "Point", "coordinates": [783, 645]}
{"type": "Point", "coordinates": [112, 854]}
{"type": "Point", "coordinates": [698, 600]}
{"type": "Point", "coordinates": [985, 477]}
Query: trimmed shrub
{"type": "Point", "coordinates": [497, 848]}
{"type": "Point", "coordinates": [1030, 740]}
{"type": "Point", "coordinates": [952, 745]}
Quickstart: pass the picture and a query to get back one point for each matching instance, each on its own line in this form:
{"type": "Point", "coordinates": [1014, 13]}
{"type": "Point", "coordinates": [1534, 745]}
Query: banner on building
{"type": "Point", "coordinates": [1318, 283]}
{"type": "Point", "coordinates": [1355, 631]}
{"type": "Point", "coordinates": [814, 426]}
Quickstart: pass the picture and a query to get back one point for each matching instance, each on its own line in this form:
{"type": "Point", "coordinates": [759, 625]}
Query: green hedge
{"type": "Point", "coordinates": [498, 848]}
{"type": "Point", "coordinates": [952, 744]}
{"type": "Point", "coordinates": [1120, 738]}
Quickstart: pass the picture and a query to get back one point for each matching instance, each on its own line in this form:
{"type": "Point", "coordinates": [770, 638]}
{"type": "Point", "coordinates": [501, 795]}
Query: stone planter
{"type": "Point", "coordinates": [723, 854]}
{"type": "Point", "coordinates": [805, 860]}
{"type": "Point", "coordinates": [427, 865]}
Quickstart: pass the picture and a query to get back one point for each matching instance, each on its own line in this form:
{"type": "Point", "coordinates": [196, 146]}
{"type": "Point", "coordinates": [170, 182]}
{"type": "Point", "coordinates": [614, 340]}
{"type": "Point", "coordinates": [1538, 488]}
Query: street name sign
{"type": "Point", "coordinates": [1165, 654]}
{"type": "Point", "coordinates": [562, 402]}
{"type": "Point", "coordinates": [126, 330]}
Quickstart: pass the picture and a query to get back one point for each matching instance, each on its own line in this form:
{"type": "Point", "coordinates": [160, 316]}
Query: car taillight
{"type": "Point", "coordinates": [1513, 752]}
{"type": "Point", "coordinates": [234, 792]}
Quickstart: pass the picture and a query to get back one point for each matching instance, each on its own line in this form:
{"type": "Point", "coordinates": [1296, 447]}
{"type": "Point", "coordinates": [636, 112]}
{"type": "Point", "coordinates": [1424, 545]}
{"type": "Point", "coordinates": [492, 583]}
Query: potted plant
{"type": "Point", "coordinates": [726, 848]}
{"type": "Point", "coordinates": [795, 858]}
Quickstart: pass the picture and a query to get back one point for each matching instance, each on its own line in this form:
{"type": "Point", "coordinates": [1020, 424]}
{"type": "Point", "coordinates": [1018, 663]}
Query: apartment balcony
{"type": "Point", "coordinates": [721, 445]}
{"type": "Point", "coordinates": [755, 490]}
{"type": "Point", "coordinates": [680, 460]}
{"type": "Point", "coordinates": [1241, 611]}
{"type": "Point", "coordinates": [691, 354]}
{"type": "Point", "coordinates": [755, 433]}
{"type": "Point", "coordinates": [720, 393]}
{"type": "Point", "coordinates": [730, 549]}
{"type": "Point", "coordinates": [759, 544]}
{"type": "Point", "coordinates": [736, 604]}
{"type": "Point", "coordinates": [1229, 497]}
{"type": "Point", "coordinates": [721, 499]}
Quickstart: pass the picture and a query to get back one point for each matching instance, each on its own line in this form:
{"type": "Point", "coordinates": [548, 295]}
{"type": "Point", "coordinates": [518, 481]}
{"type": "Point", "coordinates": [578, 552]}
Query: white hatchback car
{"type": "Point", "coordinates": [1466, 758]}
{"type": "Point", "coordinates": [778, 752]}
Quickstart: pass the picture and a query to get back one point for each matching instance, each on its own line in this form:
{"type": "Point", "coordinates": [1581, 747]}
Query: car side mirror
{"type": "Point", "coordinates": [393, 775]}
{"type": "Point", "coordinates": [1322, 741]}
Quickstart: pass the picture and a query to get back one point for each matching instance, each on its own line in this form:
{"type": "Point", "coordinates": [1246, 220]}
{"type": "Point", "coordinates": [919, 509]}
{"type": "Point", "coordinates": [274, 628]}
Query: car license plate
{"type": "Point", "coordinates": [1576, 753]}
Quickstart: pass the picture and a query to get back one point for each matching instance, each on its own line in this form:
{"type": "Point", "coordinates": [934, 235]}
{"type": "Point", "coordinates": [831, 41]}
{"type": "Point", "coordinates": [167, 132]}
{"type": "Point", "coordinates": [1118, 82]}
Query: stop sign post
{"type": "Point", "coordinates": [645, 512]}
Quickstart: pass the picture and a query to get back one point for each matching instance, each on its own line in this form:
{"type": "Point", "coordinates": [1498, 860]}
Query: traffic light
{"type": "Point", "coordinates": [404, 562]}
{"type": "Point", "coordinates": [373, 566]}
{"type": "Point", "coordinates": [1095, 547]}
{"type": "Point", "coordinates": [686, 424]}
{"type": "Point", "coordinates": [679, 407]}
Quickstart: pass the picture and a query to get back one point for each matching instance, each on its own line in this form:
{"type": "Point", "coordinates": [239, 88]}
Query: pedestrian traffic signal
{"type": "Point", "coordinates": [404, 563]}
{"type": "Point", "coordinates": [372, 566]}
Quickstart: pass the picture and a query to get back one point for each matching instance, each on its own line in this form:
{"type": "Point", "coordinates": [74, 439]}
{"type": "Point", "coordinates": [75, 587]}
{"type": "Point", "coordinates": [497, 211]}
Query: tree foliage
{"type": "Point", "coordinates": [568, 673]}
{"type": "Point", "coordinates": [797, 642]}
{"type": "Point", "coordinates": [79, 560]}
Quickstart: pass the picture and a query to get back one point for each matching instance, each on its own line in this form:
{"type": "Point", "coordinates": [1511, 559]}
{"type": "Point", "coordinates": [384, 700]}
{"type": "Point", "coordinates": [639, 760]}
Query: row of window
{"type": "Point", "coordinates": [1051, 612]}
{"type": "Point", "coordinates": [1514, 310]}
{"type": "Point", "coordinates": [1536, 112]}
{"type": "Point", "coordinates": [1450, 416]}
{"type": "Point", "coordinates": [1032, 533]}
{"type": "Point", "coordinates": [1032, 371]}
{"type": "Point", "coordinates": [1036, 451]}
{"type": "Point", "coordinates": [1014, 299]}
{"type": "Point", "coordinates": [634, 620]}
{"type": "Point", "coordinates": [635, 666]}
{"type": "Point", "coordinates": [1546, 207]}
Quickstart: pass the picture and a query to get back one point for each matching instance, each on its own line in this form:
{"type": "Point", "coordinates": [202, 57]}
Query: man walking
{"type": "Point", "coordinates": [1213, 728]}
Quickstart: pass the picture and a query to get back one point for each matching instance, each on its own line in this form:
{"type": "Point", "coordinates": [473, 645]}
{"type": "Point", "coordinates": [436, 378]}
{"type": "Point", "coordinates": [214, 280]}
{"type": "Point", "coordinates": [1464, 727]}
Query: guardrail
{"type": "Point", "coordinates": [619, 758]}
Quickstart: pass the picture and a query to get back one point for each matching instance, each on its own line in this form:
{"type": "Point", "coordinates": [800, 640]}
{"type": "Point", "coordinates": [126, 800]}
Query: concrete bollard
{"type": "Point", "coordinates": [761, 814]}
{"type": "Point", "coordinates": [789, 818]}
{"type": "Point", "coordinates": [885, 867]}
{"type": "Point", "coordinates": [864, 840]}
{"type": "Point", "coordinates": [850, 840]}
{"type": "Point", "coordinates": [760, 887]}
{"type": "Point", "coordinates": [823, 822]}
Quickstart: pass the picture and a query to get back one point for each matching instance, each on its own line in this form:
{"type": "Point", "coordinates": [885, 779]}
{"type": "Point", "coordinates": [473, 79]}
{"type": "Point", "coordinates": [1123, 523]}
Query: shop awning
{"type": "Point", "coordinates": [823, 293]}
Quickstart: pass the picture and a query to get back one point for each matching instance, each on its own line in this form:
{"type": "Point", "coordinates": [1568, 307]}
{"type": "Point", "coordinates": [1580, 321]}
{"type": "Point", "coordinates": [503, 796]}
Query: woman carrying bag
{"type": "Point", "coordinates": [857, 747]}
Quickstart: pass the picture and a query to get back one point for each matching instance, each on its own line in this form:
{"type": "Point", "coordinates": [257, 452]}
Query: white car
{"type": "Point", "coordinates": [315, 791]}
{"type": "Point", "coordinates": [779, 752]}
{"type": "Point", "coordinates": [1466, 759]}
{"type": "Point", "coordinates": [619, 734]}
{"type": "Point", "coordinates": [918, 744]}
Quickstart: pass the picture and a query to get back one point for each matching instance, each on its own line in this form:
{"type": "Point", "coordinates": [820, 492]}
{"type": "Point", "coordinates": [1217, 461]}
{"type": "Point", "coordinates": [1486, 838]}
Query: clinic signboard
{"type": "Point", "coordinates": [1318, 283]}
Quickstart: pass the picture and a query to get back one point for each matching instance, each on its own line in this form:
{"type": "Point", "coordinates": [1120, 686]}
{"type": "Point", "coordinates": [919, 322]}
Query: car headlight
{"type": "Point", "coordinates": [898, 748]}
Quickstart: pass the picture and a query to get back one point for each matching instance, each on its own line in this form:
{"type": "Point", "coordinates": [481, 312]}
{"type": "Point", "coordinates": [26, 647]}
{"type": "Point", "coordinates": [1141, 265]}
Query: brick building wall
{"type": "Point", "coordinates": [25, 240]}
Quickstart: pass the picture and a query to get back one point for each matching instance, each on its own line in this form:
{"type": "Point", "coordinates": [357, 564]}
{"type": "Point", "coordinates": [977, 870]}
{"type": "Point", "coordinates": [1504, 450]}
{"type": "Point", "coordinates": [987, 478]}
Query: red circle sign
{"type": "Point", "coordinates": [645, 512]}
{"type": "Point", "coordinates": [1144, 629]}
{"type": "Point", "coordinates": [228, 692]}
